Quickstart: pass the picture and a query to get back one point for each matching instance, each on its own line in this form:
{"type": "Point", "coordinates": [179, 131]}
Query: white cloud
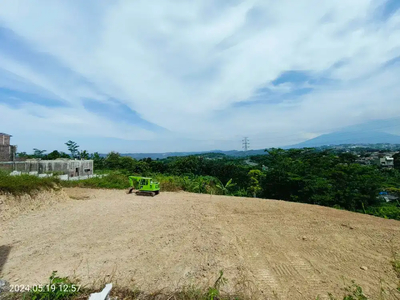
{"type": "Point", "coordinates": [183, 65]}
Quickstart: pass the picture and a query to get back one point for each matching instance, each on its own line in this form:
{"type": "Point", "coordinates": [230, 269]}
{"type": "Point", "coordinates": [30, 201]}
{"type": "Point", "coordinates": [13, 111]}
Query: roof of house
{"type": "Point", "coordinates": [1, 133]}
{"type": "Point", "coordinates": [390, 197]}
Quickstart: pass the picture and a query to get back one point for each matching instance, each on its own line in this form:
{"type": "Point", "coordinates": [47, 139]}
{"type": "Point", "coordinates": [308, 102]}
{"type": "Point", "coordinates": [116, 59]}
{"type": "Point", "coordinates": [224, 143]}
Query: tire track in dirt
{"type": "Point", "coordinates": [304, 269]}
{"type": "Point", "coordinates": [255, 255]}
{"type": "Point", "coordinates": [285, 270]}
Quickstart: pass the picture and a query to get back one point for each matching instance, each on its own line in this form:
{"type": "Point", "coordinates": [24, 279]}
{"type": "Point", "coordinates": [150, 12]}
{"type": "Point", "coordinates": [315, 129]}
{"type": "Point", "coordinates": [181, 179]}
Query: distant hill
{"type": "Point", "coordinates": [172, 154]}
{"type": "Point", "coordinates": [350, 137]}
{"type": "Point", "coordinates": [158, 155]}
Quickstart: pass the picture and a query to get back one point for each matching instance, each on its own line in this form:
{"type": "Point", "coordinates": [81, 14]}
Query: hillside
{"type": "Point", "coordinates": [265, 247]}
{"type": "Point", "coordinates": [350, 137]}
{"type": "Point", "coordinates": [174, 154]}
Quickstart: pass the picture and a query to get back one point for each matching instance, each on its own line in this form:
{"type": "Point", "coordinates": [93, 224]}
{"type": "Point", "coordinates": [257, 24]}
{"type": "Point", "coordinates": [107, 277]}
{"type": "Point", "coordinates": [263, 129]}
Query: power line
{"type": "Point", "coordinates": [246, 144]}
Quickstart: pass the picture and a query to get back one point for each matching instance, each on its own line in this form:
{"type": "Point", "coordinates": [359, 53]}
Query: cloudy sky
{"type": "Point", "coordinates": [161, 75]}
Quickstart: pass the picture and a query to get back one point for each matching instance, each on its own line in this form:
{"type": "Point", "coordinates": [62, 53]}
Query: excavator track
{"type": "Point", "coordinates": [151, 194]}
{"type": "Point", "coordinates": [141, 193]}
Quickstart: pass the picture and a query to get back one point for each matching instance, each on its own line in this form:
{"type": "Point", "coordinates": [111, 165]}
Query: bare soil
{"type": "Point", "coordinates": [12, 206]}
{"type": "Point", "coordinates": [273, 249]}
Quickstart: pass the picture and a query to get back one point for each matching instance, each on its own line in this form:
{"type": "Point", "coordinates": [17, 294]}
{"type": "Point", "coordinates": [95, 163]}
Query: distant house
{"type": "Point", "coordinates": [386, 162]}
{"type": "Point", "coordinates": [7, 151]}
{"type": "Point", "coordinates": [390, 198]}
{"type": "Point", "coordinates": [250, 163]}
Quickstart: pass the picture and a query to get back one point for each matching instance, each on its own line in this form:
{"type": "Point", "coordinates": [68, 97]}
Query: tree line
{"type": "Point", "coordinates": [72, 147]}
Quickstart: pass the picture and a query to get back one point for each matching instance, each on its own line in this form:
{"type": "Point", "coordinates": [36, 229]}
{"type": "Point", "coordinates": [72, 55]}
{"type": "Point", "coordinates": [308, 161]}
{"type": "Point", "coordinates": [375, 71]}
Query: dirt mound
{"type": "Point", "coordinates": [290, 250]}
{"type": "Point", "coordinates": [12, 206]}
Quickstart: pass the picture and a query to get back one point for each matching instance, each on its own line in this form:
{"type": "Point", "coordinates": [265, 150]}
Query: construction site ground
{"type": "Point", "coordinates": [268, 248]}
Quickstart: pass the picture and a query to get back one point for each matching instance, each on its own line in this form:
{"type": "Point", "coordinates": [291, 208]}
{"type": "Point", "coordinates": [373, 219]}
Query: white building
{"type": "Point", "coordinates": [387, 162]}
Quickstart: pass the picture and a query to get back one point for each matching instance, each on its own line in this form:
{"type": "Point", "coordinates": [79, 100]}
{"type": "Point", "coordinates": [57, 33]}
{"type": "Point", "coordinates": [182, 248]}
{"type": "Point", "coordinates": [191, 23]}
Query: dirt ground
{"type": "Point", "coordinates": [276, 249]}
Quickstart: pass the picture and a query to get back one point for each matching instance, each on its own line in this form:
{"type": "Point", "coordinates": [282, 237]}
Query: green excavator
{"type": "Point", "coordinates": [143, 186]}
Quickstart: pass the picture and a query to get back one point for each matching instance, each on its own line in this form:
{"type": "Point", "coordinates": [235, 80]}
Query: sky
{"type": "Point", "coordinates": [162, 76]}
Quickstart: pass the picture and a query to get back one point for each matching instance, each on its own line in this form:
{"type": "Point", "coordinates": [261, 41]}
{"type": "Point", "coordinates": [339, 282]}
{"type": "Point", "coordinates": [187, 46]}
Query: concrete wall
{"type": "Point", "coordinates": [4, 140]}
{"type": "Point", "coordinates": [7, 153]}
{"type": "Point", "coordinates": [4, 153]}
{"type": "Point", "coordinates": [72, 168]}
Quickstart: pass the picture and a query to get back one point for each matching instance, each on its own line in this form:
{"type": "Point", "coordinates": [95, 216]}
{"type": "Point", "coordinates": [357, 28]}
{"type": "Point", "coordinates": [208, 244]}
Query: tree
{"type": "Point", "coordinates": [64, 155]}
{"type": "Point", "coordinates": [225, 188]}
{"type": "Point", "coordinates": [355, 186]}
{"type": "Point", "coordinates": [348, 158]}
{"type": "Point", "coordinates": [55, 155]}
{"type": "Point", "coordinates": [84, 155]}
{"type": "Point", "coordinates": [73, 148]}
{"type": "Point", "coordinates": [98, 161]}
{"type": "Point", "coordinates": [201, 185]}
{"type": "Point", "coordinates": [112, 161]}
{"type": "Point", "coordinates": [38, 153]}
{"type": "Point", "coordinates": [397, 160]}
{"type": "Point", "coordinates": [23, 155]}
{"type": "Point", "coordinates": [255, 176]}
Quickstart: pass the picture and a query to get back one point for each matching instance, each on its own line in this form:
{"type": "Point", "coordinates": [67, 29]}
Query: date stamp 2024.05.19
{"type": "Point", "coordinates": [66, 288]}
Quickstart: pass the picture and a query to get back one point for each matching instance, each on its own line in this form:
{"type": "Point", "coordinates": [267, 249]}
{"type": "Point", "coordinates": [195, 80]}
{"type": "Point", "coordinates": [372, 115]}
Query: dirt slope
{"type": "Point", "coordinates": [290, 250]}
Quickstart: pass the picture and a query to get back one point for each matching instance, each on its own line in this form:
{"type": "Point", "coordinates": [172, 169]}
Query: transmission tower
{"type": "Point", "coordinates": [246, 144]}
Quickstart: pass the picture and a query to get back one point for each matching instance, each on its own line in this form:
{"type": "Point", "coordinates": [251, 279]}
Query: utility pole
{"type": "Point", "coordinates": [246, 144]}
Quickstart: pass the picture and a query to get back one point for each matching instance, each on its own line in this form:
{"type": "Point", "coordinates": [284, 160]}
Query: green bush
{"type": "Point", "coordinates": [113, 180]}
{"type": "Point", "coordinates": [26, 184]}
{"type": "Point", "coordinates": [169, 183]}
{"type": "Point", "coordinates": [194, 184]}
{"type": "Point", "coordinates": [386, 210]}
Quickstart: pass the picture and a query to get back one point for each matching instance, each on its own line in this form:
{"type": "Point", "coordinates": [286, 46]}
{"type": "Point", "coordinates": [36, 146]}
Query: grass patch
{"type": "Point", "coordinates": [60, 288]}
{"type": "Point", "coordinates": [57, 288]}
{"type": "Point", "coordinates": [389, 210]}
{"type": "Point", "coordinates": [63, 288]}
{"type": "Point", "coordinates": [26, 184]}
{"type": "Point", "coordinates": [352, 292]}
{"type": "Point", "coordinates": [114, 180]}
{"type": "Point", "coordinates": [355, 292]}
{"type": "Point", "coordinates": [396, 266]}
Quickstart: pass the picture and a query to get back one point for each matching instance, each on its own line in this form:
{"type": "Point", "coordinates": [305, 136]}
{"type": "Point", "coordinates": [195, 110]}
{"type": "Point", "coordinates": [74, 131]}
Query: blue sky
{"type": "Point", "coordinates": [155, 76]}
